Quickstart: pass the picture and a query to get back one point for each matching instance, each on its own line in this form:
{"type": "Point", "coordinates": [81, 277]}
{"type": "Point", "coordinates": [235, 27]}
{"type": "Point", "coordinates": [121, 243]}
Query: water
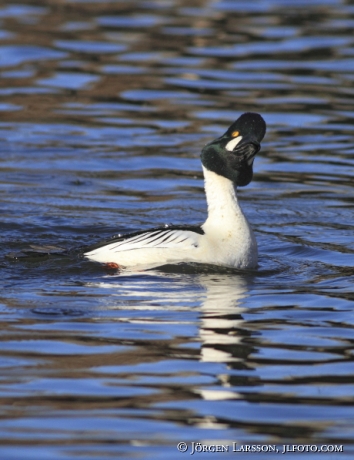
{"type": "Point", "coordinates": [104, 109]}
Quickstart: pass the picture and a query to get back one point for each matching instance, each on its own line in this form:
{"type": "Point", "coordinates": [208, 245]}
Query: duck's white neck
{"type": "Point", "coordinates": [221, 195]}
{"type": "Point", "coordinates": [229, 235]}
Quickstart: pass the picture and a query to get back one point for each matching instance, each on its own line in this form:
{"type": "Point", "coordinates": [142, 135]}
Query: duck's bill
{"type": "Point", "coordinates": [247, 150]}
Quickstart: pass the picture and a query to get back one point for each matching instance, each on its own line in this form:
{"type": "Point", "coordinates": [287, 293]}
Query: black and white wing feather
{"type": "Point", "coordinates": [172, 237]}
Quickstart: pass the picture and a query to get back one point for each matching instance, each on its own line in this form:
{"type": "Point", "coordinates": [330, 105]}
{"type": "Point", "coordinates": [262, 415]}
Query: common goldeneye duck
{"type": "Point", "coordinates": [225, 238]}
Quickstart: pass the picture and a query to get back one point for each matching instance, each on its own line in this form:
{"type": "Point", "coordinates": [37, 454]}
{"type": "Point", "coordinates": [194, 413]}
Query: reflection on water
{"type": "Point", "coordinates": [105, 107]}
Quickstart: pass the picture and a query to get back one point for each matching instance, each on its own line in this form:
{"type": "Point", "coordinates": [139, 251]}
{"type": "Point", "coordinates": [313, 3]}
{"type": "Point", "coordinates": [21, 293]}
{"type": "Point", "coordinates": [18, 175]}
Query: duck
{"type": "Point", "coordinates": [226, 238]}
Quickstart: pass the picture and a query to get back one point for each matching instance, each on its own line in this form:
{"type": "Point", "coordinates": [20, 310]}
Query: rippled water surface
{"type": "Point", "coordinates": [104, 109]}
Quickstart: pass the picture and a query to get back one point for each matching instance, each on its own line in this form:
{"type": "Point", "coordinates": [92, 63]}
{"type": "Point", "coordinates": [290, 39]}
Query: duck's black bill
{"type": "Point", "coordinates": [247, 148]}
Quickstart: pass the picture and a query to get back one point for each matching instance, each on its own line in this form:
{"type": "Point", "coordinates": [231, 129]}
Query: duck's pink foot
{"type": "Point", "coordinates": [112, 266]}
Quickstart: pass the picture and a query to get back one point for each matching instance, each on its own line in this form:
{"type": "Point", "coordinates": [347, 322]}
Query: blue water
{"type": "Point", "coordinates": [105, 107]}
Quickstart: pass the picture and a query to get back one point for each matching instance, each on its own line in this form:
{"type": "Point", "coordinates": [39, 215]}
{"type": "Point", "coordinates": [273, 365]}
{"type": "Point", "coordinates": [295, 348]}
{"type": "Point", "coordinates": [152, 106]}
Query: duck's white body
{"type": "Point", "coordinates": [228, 239]}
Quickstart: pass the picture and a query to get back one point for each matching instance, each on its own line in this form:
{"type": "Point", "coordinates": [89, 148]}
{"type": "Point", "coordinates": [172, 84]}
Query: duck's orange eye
{"type": "Point", "coordinates": [235, 134]}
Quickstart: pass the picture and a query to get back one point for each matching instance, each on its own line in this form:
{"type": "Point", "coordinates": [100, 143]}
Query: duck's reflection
{"type": "Point", "coordinates": [184, 318]}
{"type": "Point", "coordinates": [218, 297]}
{"type": "Point", "coordinates": [222, 331]}
{"type": "Point", "coordinates": [221, 319]}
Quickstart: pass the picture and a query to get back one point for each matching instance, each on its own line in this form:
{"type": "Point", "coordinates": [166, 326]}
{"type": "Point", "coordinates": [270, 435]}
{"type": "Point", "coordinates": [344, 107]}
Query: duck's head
{"type": "Point", "coordinates": [232, 154]}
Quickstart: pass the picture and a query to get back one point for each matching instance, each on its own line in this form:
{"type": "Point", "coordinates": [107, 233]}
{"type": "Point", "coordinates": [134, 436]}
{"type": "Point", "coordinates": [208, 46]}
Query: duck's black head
{"type": "Point", "coordinates": [232, 154]}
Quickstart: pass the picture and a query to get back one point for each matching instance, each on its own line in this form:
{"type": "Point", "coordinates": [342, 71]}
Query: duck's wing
{"type": "Point", "coordinates": [169, 237]}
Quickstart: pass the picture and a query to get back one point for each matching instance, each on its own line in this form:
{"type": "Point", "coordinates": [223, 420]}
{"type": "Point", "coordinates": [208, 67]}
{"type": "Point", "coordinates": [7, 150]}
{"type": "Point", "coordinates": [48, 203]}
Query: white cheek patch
{"type": "Point", "coordinates": [232, 144]}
